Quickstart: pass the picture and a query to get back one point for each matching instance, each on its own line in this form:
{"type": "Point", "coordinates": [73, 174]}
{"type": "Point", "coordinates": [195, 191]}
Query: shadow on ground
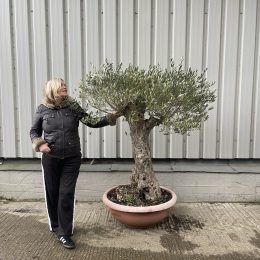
{"type": "Point", "coordinates": [193, 231]}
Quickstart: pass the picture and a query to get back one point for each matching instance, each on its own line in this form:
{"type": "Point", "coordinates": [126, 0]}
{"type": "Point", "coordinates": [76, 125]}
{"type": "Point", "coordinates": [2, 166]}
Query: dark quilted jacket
{"type": "Point", "coordinates": [60, 129]}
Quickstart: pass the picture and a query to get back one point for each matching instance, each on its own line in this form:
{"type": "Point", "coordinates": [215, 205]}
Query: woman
{"type": "Point", "coordinates": [58, 118]}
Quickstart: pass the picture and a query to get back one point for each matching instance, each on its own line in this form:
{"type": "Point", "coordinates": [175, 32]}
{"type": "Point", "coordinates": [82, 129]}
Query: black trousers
{"type": "Point", "coordinates": [60, 177]}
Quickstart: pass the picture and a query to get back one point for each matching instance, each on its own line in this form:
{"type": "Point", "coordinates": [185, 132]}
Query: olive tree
{"type": "Point", "coordinates": [176, 99]}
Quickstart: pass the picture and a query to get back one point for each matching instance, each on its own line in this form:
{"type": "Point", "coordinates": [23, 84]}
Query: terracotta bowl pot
{"type": "Point", "coordinates": [140, 217]}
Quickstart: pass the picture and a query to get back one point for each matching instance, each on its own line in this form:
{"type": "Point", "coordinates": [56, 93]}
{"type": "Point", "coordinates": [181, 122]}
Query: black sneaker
{"type": "Point", "coordinates": [67, 242]}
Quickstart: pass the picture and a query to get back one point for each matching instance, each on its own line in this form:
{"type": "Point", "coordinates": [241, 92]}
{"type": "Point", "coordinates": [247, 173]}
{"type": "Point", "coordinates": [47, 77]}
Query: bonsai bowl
{"type": "Point", "coordinates": [140, 217]}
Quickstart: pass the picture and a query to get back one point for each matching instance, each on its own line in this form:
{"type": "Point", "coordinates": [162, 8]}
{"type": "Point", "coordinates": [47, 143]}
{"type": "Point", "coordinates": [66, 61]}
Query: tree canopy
{"type": "Point", "coordinates": [178, 99]}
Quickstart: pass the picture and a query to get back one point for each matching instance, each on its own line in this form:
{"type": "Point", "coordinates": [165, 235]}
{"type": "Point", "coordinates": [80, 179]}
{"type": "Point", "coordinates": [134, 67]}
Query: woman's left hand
{"type": "Point", "coordinates": [112, 117]}
{"type": "Point", "coordinates": [116, 114]}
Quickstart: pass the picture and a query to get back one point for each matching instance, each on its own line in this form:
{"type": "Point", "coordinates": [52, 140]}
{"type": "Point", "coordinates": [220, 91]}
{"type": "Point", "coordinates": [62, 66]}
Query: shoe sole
{"type": "Point", "coordinates": [68, 247]}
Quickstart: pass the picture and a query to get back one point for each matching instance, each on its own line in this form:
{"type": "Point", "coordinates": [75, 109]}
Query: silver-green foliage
{"type": "Point", "coordinates": [175, 98]}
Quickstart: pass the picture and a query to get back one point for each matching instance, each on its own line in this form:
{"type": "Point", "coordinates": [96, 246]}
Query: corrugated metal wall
{"type": "Point", "coordinates": [42, 39]}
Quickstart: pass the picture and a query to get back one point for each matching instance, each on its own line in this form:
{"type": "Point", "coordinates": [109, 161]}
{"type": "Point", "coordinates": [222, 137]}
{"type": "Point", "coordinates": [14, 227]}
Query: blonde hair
{"type": "Point", "coordinates": [51, 90]}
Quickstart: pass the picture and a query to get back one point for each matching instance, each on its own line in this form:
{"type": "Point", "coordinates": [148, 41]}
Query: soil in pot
{"type": "Point", "coordinates": [128, 196]}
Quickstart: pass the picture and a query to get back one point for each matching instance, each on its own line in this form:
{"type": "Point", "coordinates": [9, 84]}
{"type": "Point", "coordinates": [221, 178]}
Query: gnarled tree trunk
{"type": "Point", "coordinates": [143, 176]}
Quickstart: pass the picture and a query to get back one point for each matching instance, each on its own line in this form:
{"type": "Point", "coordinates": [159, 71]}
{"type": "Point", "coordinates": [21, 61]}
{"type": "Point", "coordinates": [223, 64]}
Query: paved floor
{"type": "Point", "coordinates": [193, 231]}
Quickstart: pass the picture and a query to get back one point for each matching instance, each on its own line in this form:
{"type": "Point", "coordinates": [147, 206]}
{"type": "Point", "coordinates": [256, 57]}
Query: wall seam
{"type": "Point", "coordinates": [220, 75]}
{"type": "Point", "coordinates": [238, 78]}
{"type": "Point", "coordinates": [14, 71]}
{"type": "Point", "coordinates": [256, 79]}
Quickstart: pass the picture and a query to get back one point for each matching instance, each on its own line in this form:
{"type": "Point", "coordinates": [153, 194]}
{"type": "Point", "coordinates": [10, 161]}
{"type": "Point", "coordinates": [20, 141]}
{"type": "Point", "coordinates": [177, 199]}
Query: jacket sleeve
{"type": "Point", "coordinates": [103, 121]}
{"type": "Point", "coordinates": [36, 131]}
{"type": "Point", "coordinates": [87, 120]}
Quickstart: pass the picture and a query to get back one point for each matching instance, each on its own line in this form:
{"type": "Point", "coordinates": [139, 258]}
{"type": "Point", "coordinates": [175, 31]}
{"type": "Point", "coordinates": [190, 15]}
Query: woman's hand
{"type": "Point", "coordinates": [115, 115]}
{"type": "Point", "coordinates": [44, 148]}
{"type": "Point", "coordinates": [112, 117]}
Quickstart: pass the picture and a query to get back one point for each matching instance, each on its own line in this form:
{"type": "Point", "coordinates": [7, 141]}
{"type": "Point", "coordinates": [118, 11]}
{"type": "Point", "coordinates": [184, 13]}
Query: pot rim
{"type": "Point", "coordinates": [140, 209]}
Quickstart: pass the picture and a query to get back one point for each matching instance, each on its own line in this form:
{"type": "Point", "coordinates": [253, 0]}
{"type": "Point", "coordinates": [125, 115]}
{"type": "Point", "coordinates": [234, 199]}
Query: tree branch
{"type": "Point", "coordinates": [152, 122]}
{"type": "Point", "coordinates": [172, 113]}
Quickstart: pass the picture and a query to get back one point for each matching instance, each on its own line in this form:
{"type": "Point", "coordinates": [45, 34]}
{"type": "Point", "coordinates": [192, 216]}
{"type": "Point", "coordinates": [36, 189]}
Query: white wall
{"type": "Point", "coordinates": [42, 39]}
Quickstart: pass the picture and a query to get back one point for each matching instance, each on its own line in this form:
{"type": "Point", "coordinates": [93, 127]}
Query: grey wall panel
{"type": "Point", "coordinates": [39, 49]}
{"type": "Point", "coordinates": [57, 38]}
{"type": "Point", "coordinates": [212, 59]}
{"type": "Point", "coordinates": [194, 59]}
{"type": "Point", "coordinates": [92, 35]}
{"type": "Point", "coordinates": [161, 56]}
{"type": "Point", "coordinates": [126, 56]}
{"type": "Point", "coordinates": [178, 48]}
{"type": "Point", "coordinates": [245, 77]}
{"type": "Point", "coordinates": [255, 124]}
{"type": "Point", "coordinates": [230, 44]}
{"type": "Point", "coordinates": [7, 85]}
{"type": "Point", "coordinates": [73, 51]}
{"type": "Point", "coordinates": [110, 42]}
{"type": "Point", "coordinates": [63, 38]}
{"type": "Point", "coordinates": [23, 76]}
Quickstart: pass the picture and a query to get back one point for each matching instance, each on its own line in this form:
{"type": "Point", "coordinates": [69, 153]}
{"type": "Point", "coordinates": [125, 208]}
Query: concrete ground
{"type": "Point", "coordinates": [193, 231]}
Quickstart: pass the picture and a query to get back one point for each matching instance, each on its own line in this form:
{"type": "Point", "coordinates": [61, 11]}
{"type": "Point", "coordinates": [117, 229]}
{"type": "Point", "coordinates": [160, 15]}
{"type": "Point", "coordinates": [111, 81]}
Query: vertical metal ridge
{"type": "Point", "coordinates": [118, 32]}
{"type": "Point", "coordinates": [7, 125]}
{"type": "Point", "coordinates": [135, 32]}
{"type": "Point", "coordinates": [187, 40]}
{"type": "Point", "coordinates": [48, 44]}
{"type": "Point", "coordinates": [83, 62]}
{"type": "Point", "coordinates": [101, 59]}
{"type": "Point", "coordinates": [1, 131]}
{"type": "Point", "coordinates": [13, 54]}
{"type": "Point", "coordinates": [220, 78]}
{"type": "Point", "coordinates": [153, 57]}
{"type": "Point", "coordinates": [204, 57]}
{"type": "Point", "coordinates": [170, 33]}
{"type": "Point", "coordinates": [154, 14]}
{"type": "Point", "coordinates": [205, 34]}
{"type": "Point", "coordinates": [65, 39]}
{"type": "Point", "coordinates": [101, 31]}
{"type": "Point", "coordinates": [256, 79]}
{"type": "Point", "coordinates": [187, 61]}
{"type": "Point", "coordinates": [83, 38]}
{"type": "Point", "coordinates": [167, 137]}
{"type": "Point", "coordinates": [31, 51]}
{"type": "Point", "coordinates": [118, 59]}
{"type": "Point", "coordinates": [1, 111]}
{"type": "Point", "coordinates": [238, 78]}
{"type": "Point", "coordinates": [173, 6]}
{"type": "Point", "coordinates": [1, 123]}
{"type": "Point", "coordinates": [169, 51]}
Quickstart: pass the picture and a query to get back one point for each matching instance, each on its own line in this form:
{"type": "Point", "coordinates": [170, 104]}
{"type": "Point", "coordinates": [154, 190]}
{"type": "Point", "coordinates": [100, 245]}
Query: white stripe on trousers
{"type": "Point", "coordinates": [45, 195]}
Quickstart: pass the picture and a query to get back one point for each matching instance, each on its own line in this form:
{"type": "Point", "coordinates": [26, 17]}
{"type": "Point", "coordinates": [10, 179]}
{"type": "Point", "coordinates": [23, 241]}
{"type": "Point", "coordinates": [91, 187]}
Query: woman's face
{"type": "Point", "coordinates": [63, 91]}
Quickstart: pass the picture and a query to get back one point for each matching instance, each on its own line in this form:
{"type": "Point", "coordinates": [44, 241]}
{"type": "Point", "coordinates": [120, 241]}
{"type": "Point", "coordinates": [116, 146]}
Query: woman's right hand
{"type": "Point", "coordinates": [44, 148]}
